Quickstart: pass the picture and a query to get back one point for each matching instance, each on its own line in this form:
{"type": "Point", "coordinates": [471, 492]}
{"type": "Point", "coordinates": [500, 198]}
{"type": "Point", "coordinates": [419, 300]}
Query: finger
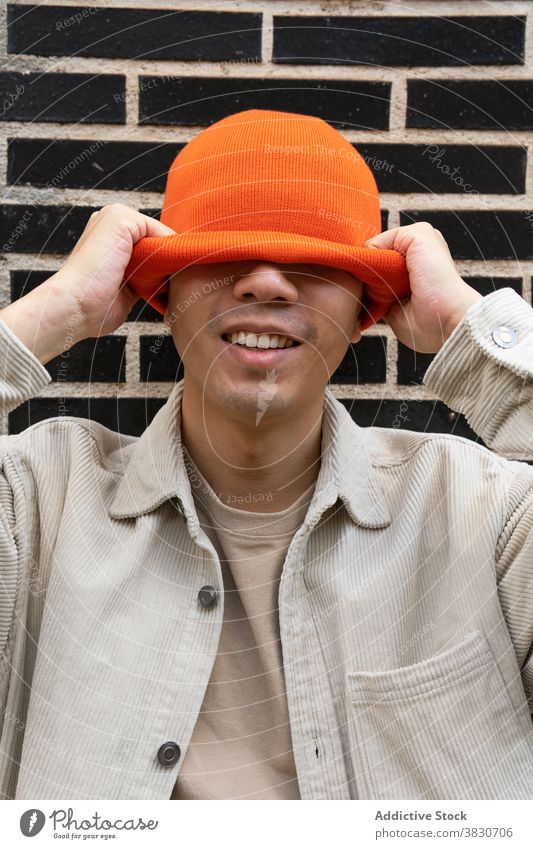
{"type": "Point", "coordinates": [383, 240]}
{"type": "Point", "coordinates": [399, 238]}
{"type": "Point", "coordinates": [153, 227]}
{"type": "Point", "coordinates": [397, 310]}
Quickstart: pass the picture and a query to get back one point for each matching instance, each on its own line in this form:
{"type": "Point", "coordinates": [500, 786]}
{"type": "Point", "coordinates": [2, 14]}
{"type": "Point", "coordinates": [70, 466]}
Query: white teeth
{"type": "Point", "coordinates": [264, 340]}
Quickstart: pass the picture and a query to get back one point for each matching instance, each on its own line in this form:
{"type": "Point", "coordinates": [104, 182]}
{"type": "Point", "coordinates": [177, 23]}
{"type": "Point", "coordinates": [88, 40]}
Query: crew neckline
{"type": "Point", "coordinates": [235, 519]}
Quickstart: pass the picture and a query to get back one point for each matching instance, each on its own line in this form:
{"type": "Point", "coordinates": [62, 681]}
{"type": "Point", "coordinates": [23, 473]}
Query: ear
{"type": "Point", "coordinates": [167, 308]}
{"type": "Point", "coordinates": [356, 335]}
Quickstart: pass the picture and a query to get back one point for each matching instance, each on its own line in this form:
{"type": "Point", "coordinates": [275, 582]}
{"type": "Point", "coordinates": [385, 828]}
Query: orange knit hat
{"type": "Point", "coordinates": [276, 186]}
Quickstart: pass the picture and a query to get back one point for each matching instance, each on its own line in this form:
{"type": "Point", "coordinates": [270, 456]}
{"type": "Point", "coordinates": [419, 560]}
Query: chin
{"type": "Point", "coordinates": [253, 395]}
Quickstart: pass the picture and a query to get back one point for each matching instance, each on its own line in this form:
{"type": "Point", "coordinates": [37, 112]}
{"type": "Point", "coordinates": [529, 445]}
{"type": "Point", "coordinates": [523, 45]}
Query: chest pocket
{"type": "Point", "coordinates": [445, 728]}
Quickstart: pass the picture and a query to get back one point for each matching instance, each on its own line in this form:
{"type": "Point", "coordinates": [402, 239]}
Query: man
{"type": "Point", "coordinates": [258, 598]}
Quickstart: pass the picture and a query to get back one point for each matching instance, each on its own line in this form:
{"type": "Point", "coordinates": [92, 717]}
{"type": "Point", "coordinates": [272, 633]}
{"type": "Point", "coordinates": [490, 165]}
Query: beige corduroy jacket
{"type": "Point", "coordinates": [405, 603]}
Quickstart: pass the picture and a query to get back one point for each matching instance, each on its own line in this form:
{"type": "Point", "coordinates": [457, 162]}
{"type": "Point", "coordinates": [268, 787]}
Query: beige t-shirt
{"type": "Point", "coordinates": [241, 745]}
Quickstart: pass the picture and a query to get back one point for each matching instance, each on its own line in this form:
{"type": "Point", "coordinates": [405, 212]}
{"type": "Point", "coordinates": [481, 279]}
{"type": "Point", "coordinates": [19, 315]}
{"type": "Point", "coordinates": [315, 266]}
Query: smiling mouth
{"type": "Point", "coordinates": [260, 342]}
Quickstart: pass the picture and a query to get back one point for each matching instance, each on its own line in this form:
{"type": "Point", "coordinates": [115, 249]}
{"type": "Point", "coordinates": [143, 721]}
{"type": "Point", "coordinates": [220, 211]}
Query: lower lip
{"type": "Point", "coordinates": [264, 357]}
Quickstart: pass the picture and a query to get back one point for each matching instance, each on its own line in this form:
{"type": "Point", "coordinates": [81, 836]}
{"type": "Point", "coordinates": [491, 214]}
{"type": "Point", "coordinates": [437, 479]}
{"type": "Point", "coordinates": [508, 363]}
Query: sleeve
{"type": "Point", "coordinates": [485, 371]}
{"type": "Point", "coordinates": [514, 572]}
{"type": "Point", "coordinates": [492, 385]}
{"type": "Point", "coordinates": [22, 376]}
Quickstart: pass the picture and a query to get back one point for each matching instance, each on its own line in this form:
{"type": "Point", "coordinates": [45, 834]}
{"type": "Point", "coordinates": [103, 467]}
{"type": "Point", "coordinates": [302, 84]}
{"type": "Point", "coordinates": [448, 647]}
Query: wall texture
{"type": "Point", "coordinates": [95, 102]}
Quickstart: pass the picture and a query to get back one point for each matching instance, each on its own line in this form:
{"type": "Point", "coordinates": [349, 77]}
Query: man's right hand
{"type": "Point", "coordinates": [93, 273]}
{"type": "Point", "coordinates": [87, 296]}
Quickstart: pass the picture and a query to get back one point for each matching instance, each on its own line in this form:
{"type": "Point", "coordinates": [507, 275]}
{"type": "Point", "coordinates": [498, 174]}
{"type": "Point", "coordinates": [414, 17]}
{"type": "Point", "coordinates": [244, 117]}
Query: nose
{"type": "Point", "coordinates": [265, 281]}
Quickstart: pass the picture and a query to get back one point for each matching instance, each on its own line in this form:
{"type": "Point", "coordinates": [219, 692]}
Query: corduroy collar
{"type": "Point", "coordinates": [154, 468]}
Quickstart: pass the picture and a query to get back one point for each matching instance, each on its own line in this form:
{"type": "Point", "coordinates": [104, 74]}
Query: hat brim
{"type": "Point", "coordinates": [154, 258]}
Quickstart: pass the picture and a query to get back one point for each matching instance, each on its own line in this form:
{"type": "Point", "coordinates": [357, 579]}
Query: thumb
{"type": "Point", "coordinates": [153, 227]}
{"type": "Point", "coordinates": [383, 240]}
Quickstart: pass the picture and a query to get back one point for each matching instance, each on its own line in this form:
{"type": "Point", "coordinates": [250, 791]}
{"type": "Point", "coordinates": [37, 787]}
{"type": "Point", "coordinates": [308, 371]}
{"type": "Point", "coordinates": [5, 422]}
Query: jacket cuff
{"type": "Point", "coordinates": [477, 377]}
{"type": "Point", "coordinates": [22, 375]}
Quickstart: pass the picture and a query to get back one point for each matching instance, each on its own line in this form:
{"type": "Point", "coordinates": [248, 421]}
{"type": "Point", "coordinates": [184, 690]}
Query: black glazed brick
{"type": "Point", "coordinates": [143, 166]}
{"type": "Point", "coordinates": [159, 359]}
{"type": "Point", "coordinates": [412, 365]}
{"type": "Point", "coordinates": [134, 33]}
{"type": "Point", "coordinates": [22, 282]}
{"type": "Point", "coordinates": [189, 101]}
{"type": "Point", "coordinates": [420, 416]}
{"type": "Point", "coordinates": [388, 41]}
{"type": "Point", "coordinates": [130, 416]}
{"type": "Point", "coordinates": [88, 164]}
{"type": "Point", "coordinates": [487, 234]}
{"type": "Point", "coordinates": [486, 285]}
{"type": "Point", "coordinates": [364, 362]}
{"type": "Point", "coordinates": [92, 361]}
{"type": "Point", "coordinates": [44, 229]}
{"type": "Point", "coordinates": [449, 168]}
{"type": "Point", "coordinates": [48, 229]}
{"type": "Point", "coordinates": [28, 228]}
{"type": "Point", "coordinates": [142, 311]}
{"type": "Point", "coordinates": [83, 98]}
{"type": "Point", "coordinates": [152, 212]}
{"type": "Point", "coordinates": [470, 104]}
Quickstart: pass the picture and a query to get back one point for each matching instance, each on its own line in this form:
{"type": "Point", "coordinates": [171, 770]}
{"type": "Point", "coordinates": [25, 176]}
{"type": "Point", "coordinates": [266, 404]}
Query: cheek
{"type": "Point", "coordinates": [335, 329]}
{"type": "Point", "coordinates": [345, 317]}
{"type": "Point", "coordinates": [191, 337]}
{"type": "Point", "coordinates": [185, 338]}
{"type": "Point", "coordinates": [325, 354]}
{"type": "Point", "coordinates": [184, 310]}
{"type": "Point", "coordinates": [336, 316]}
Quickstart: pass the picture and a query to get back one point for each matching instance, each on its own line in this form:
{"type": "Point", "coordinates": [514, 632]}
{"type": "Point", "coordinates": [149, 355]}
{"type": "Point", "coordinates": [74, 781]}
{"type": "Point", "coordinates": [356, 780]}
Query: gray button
{"type": "Point", "coordinates": [208, 596]}
{"type": "Point", "coordinates": [505, 336]}
{"type": "Point", "coordinates": [169, 753]}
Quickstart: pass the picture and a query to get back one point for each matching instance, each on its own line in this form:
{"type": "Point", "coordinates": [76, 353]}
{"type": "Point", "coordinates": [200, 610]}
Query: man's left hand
{"type": "Point", "coordinates": [439, 296]}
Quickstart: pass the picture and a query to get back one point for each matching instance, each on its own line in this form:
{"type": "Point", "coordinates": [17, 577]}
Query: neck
{"type": "Point", "coordinates": [270, 464]}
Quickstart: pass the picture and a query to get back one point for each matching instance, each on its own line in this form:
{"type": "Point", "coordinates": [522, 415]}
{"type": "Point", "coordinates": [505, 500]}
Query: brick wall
{"type": "Point", "coordinates": [97, 100]}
